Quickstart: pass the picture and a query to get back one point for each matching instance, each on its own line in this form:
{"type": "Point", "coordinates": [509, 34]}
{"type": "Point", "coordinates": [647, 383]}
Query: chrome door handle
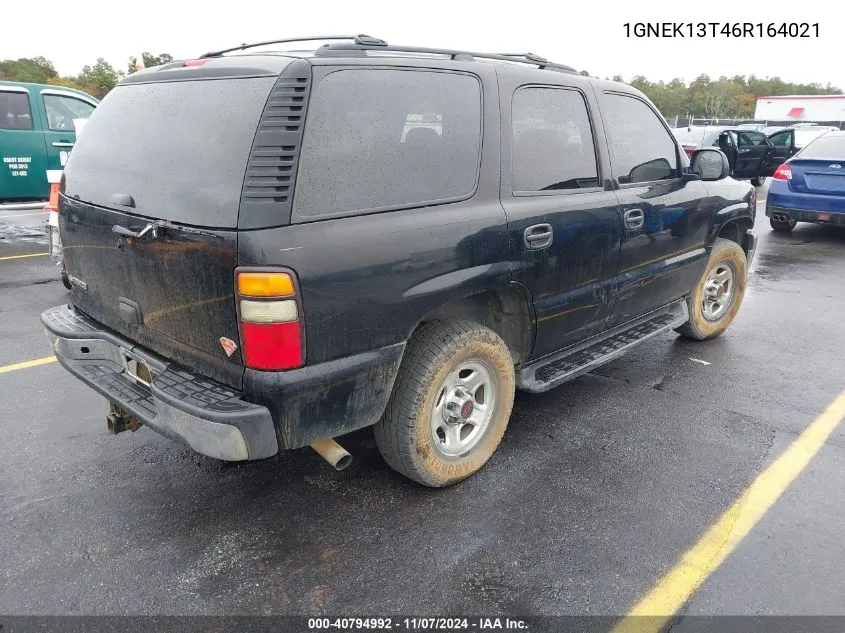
{"type": "Point", "coordinates": [62, 144]}
{"type": "Point", "coordinates": [537, 236]}
{"type": "Point", "coordinates": [634, 219]}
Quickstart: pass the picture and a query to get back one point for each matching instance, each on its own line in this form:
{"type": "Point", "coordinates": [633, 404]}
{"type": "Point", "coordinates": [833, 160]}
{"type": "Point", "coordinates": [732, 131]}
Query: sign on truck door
{"type": "Point", "coordinates": [23, 154]}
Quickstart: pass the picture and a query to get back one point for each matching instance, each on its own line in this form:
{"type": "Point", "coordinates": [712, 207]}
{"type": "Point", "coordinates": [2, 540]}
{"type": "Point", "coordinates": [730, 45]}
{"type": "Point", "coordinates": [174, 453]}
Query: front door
{"type": "Point", "coordinates": [23, 159]}
{"type": "Point", "coordinates": [783, 147]}
{"type": "Point", "coordinates": [563, 225]}
{"type": "Point", "coordinates": [752, 152]}
{"type": "Point", "coordinates": [61, 109]}
{"type": "Point", "coordinates": [665, 218]}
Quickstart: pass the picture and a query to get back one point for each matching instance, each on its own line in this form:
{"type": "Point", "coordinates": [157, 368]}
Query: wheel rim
{"type": "Point", "coordinates": [463, 408]}
{"type": "Point", "coordinates": [719, 291]}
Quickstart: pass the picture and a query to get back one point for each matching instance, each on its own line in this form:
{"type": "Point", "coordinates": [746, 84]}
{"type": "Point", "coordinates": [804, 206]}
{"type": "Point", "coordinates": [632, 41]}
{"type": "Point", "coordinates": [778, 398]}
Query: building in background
{"type": "Point", "coordinates": [801, 108]}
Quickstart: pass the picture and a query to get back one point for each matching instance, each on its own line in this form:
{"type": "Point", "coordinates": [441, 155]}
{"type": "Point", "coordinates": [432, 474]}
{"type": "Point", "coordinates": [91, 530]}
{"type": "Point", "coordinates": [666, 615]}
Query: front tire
{"type": "Point", "coordinates": [781, 226]}
{"type": "Point", "coordinates": [450, 405]}
{"type": "Point", "coordinates": [718, 294]}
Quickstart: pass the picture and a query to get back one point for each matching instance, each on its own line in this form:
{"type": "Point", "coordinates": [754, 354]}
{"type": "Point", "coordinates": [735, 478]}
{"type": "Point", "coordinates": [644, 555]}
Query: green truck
{"type": "Point", "coordinates": [38, 126]}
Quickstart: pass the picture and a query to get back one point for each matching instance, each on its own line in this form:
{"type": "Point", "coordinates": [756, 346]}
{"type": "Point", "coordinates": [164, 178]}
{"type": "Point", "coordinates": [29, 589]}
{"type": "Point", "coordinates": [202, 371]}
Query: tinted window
{"type": "Point", "coordinates": [749, 139]}
{"type": "Point", "coordinates": [14, 111]}
{"type": "Point", "coordinates": [641, 149]}
{"type": "Point", "coordinates": [180, 149]}
{"type": "Point", "coordinates": [384, 138]}
{"type": "Point", "coordinates": [830, 147]}
{"type": "Point", "coordinates": [552, 141]}
{"type": "Point", "coordinates": [61, 111]}
{"type": "Point", "coordinates": [781, 139]}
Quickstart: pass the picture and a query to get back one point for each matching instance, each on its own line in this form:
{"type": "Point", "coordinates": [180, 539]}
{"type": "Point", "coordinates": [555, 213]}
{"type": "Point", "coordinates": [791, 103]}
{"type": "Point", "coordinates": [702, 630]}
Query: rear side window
{"type": "Point", "coordinates": [61, 111]}
{"type": "Point", "coordinates": [552, 141]}
{"type": "Point", "coordinates": [641, 148]}
{"type": "Point", "coordinates": [14, 111]}
{"type": "Point", "coordinates": [178, 148]}
{"type": "Point", "coordinates": [377, 139]}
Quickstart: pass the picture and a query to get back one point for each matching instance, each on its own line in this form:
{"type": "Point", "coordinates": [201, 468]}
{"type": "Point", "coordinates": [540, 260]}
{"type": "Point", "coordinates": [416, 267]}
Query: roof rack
{"type": "Point", "coordinates": [526, 58]}
{"type": "Point", "coordinates": [362, 40]}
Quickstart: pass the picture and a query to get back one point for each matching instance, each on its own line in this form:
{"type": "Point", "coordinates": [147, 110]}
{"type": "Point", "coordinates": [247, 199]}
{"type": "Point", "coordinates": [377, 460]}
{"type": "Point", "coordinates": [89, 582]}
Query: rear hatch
{"type": "Point", "coordinates": [818, 176]}
{"type": "Point", "coordinates": [168, 145]}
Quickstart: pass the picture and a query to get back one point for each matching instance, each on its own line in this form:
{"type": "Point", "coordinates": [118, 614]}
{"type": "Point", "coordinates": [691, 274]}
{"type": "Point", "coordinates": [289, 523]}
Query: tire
{"type": "Point", "coordinates": [781, 226]}
{"type": "Point", "coordinates": [412, 434]}
{"type": "Point", "coordinates": [705, 321]}
{"type": "Point", "coordinates": [758, 182]}
{"type": "Point", "coordinates": [65, 278]}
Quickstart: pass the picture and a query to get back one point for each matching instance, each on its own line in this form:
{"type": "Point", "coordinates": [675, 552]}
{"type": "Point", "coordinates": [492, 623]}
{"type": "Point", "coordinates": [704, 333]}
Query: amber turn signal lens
{"type": "Point", "coordinates": [265, 285]}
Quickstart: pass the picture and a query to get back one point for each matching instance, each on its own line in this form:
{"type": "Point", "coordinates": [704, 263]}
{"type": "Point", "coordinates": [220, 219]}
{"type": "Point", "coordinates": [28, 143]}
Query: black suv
{"type": "Point", "coordinates": [269, 250]}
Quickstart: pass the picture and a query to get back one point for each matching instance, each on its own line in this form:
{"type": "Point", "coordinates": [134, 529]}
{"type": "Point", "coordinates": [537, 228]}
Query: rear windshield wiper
{"type": "Point", "coordinates": [153, 229]}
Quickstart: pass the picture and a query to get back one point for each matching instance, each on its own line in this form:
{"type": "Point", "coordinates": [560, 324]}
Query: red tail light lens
{"type": "Point", "coordinates": [689, 151]}
{"type": "Point", "coordinates": [270, 316]}
{"type": "Point", "coordinates": [783, 172]}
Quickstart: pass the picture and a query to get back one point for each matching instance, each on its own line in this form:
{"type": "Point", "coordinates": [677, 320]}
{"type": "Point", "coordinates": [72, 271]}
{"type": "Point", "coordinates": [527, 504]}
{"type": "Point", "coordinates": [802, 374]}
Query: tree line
{"type": "Point", "coordinates": [722, 98]}
{"type": "Point", "coordinates": [97, 79]}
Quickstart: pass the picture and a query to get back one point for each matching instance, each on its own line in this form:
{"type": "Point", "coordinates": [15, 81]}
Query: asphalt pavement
{"type": "Point", "coordinates": [597, 489]}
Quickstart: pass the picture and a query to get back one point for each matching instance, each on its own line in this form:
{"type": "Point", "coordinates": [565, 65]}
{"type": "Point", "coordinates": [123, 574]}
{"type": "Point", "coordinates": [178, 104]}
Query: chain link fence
{"type": "Point", "coordinates": [687, 121]}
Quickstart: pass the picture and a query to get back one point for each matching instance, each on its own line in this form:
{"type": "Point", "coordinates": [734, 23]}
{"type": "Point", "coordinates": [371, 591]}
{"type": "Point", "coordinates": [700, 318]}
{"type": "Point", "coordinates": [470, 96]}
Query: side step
{"type": "Point", "coordinates": [550, 371]}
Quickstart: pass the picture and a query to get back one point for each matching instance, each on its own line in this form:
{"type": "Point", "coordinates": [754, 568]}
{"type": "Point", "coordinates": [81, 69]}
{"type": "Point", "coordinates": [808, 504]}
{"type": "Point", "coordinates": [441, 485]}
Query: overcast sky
{"type": "Point", "coordinates": [587, 35]}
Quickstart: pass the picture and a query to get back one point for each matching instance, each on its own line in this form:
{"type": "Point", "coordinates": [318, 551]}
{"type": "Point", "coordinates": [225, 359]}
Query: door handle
{"type": "Point", "coordinates": [62, 144]}
{"type": "Point", "coordinates": [537, 236]}
{"type": "Point", "coordinates": [634, 219]}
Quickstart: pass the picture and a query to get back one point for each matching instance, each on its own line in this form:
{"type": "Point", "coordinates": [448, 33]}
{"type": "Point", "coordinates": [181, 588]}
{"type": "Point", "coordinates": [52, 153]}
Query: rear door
{"type": "Point", "coordinates": [61, 109]}
{"type": "Point", "coordinates": [783, 147]}
{"type": "Point", "coordinates": [752, 151]}
{"type": "Point", "coordinates": [23, 159]}
{"type": "Point", "coordinates": [563, 225]}
{"type": "Point", "coordinates": [169, 147]}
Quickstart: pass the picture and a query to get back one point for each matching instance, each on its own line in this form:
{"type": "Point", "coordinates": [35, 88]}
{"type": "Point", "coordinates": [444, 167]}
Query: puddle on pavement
{"type": "Point", "coordinates": [11, 233]}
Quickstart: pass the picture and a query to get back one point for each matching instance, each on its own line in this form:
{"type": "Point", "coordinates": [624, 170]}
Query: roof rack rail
{"type": "Point", "coordinates": [362, 40]}
{"type": "Point", "coordinates": [526, 58]}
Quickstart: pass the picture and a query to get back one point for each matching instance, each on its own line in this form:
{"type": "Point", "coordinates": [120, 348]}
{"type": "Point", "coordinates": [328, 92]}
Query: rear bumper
{"type": "Point", "coordinates": [207, 416]}
{"type": "Point", "coordinates": [805, 215]}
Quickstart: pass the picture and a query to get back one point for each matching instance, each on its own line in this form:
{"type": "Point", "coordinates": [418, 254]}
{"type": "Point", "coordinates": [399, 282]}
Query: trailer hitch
{"type": "Point", "coordinates": [119, 420]}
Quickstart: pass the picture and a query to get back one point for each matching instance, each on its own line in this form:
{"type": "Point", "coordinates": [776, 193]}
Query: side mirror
{"type": "Point", "coordinates": [710, 164]}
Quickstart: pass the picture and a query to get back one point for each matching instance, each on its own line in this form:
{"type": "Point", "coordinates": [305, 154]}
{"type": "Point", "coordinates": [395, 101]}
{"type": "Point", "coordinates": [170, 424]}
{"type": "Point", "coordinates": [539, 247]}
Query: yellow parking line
{"type": "Point", "coordinates": [676, 587]}
{"type": "Point", "coordinates": [30, 363]}
{"type": "Point", "coordinates": [22, 256]}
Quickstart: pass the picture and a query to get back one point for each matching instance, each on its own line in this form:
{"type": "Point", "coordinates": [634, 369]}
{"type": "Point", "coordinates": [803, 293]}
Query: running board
{"type": "Point", "coordinates": [550, 371]}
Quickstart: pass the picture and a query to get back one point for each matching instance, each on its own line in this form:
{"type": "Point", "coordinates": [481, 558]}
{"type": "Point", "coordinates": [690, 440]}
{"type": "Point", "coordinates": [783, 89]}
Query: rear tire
{"type": "Point", "coordinates": [781, 226]}
{"type": "Point", "coordinates": [65, 278]}
{"type": "Point", "coordinates": [758, 182]}
{"type": "Point", "coordinates": [718, 294]}
{"type": "Point", "coordinates": [450, 404]}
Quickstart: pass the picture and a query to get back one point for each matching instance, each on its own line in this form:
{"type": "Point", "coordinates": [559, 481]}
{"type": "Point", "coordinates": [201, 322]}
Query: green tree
{"type": "Point", "coordinates": [101, 77]}
{"type": "Point", "coordinates": [150, 60]}
{"type": "Point", "coordinates": [35, 70]}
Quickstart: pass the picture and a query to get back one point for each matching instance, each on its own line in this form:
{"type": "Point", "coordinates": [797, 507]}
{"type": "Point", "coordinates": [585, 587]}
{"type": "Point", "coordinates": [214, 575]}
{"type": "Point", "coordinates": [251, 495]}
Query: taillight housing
{"type": "Point", "coordinates": [270, 316]}
{"type": "Point", "coordinates": [783, 172]}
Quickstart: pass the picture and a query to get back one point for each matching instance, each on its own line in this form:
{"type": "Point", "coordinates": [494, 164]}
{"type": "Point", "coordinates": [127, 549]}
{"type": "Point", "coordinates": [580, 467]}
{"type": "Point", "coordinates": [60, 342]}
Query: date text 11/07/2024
{"type": "Point", "coordinates": [411, 625]}
{"type": "Point", "coordinates": [721, 29]}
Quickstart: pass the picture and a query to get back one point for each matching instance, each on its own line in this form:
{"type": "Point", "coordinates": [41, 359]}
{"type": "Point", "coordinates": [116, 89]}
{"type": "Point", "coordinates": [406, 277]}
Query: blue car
{"type": "Point", "coordinates": [810, 186]}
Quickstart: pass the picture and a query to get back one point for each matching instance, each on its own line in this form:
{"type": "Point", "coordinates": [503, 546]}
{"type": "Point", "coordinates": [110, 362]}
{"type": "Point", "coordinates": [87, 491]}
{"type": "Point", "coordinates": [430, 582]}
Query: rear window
{"type": "Point", "coordinates": [179, 148]}
{"type": "Point", "coordinates": [377, 139]}
{"type": "Point", "coordinates": [825, 148]}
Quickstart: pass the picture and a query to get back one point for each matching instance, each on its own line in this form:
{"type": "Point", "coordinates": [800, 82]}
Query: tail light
{"type": "Point", "coordinates": [270, 316]}
{"type": "Point", "coordinates": [783, 172]}
{"type": "Point", "coordinates": [689, 151]}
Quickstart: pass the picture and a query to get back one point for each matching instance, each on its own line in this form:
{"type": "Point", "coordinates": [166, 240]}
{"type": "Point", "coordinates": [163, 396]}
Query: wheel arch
{"type": "Point", "coordinates": [506, 310]}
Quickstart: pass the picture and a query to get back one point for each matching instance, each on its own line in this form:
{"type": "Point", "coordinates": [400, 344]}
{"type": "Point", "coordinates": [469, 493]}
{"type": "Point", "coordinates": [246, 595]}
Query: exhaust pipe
{"type": "Point", "coordinates": [333, 453]}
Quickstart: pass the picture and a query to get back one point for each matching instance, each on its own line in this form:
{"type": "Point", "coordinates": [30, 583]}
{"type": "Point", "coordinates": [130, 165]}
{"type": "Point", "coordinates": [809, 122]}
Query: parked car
{"type": "Point", "coordinates": [810, 186]}
{"type": "Point", "coordinates": [36, 133]}
{"type": "Point", "coordinates": [754, 155]}
{"type": "Point", "coordinates": [260, 262]}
